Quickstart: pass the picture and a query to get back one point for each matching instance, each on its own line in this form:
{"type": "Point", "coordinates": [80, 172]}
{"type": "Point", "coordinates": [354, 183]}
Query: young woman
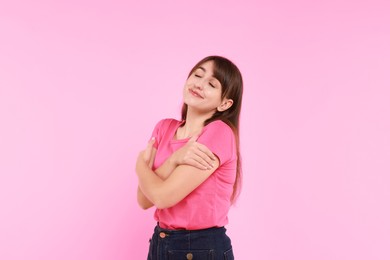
{"type": "Point", "coordinates": [190, 170]}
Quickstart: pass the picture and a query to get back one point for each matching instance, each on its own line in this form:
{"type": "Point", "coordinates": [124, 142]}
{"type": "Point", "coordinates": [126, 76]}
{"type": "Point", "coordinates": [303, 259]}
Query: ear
{"type": "Point", "coordinates": [225, 105]}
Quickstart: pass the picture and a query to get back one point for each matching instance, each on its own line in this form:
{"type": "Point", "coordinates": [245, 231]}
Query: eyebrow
{"type": "Point", "coordinates": [212, 75]}
{"type": "Point", "coordinates": [204, 70]}
{"type": "Point", "coordinates": [200, 67]}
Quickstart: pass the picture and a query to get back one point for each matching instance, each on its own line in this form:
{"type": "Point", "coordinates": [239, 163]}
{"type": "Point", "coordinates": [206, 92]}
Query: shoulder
{"type": "Point", "coordinates": [220, 139]}
{"type": "Point", "coordinates": [163, 128]}
{"type": "Point", "coordinates": [217, 132]}
{"type": "Point", "coordinates": [218, 127]}
{"type": "Point", "coordinates": [167, 123]}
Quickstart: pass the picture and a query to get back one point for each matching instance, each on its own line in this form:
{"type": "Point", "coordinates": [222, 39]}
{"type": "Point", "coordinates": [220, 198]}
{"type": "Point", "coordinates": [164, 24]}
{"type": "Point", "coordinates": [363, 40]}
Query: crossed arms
{"type": "Point", "coordinates": [177, 177]}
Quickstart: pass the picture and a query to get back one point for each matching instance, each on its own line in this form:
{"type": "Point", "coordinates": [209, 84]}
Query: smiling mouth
{"type": "Point", "coordinates": [194, 93]}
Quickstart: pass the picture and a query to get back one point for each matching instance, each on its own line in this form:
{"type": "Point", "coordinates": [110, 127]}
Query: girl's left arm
{"type": "Point", "coordinates": [181, 182]}
{"type": "Point", "coordinates": [149, 155]}
{"type": "Point", "coordinates": [193, 154]}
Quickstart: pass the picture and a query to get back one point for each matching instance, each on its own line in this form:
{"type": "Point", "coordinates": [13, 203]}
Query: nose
{"type": "Point", "coordinates": [200, 84]}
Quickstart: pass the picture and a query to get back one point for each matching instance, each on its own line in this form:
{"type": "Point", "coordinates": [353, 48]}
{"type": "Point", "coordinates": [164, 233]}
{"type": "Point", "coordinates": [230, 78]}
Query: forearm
{"type": "Point", "coordinates": [166, 168]}
{"type": "Point", "coordinates": [166, 193]}
{"type": "Point", "coordinates": [163, 173]}
{"type": "Point", "coordinates": [143, 201]}
{"type": "Point", "coordinates": [150, 185]}
{"type": "Point", "coordinates": [152, 188]}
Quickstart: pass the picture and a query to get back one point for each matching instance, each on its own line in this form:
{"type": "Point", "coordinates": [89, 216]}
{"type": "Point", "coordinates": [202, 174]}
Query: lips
{"type": "Point", "coordinates": [195, 93]}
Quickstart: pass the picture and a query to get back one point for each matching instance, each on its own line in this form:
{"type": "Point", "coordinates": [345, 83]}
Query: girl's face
{"type": "Point", "coordinates": [202, 91]}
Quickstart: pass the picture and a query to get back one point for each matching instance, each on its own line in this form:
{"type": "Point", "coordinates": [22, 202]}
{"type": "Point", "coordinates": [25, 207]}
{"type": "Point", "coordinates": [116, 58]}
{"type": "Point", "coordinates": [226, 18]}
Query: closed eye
{"type": "Point", "coordinates": [211, 85]}
{"type": "Point", "coordinates": [198, 76]}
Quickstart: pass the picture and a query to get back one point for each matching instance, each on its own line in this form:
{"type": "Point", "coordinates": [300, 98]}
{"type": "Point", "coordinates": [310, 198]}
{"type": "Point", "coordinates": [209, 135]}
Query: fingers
{"type": "Point", "coordinates": [204, 159]}
{"type": "Point", "coordinates": [203, 155]}
{"type": "Point", "coordinates": [201, 147]}
{"type": "Point", "coordinates": [206, 151]}
{"type": "Point", "coordinates": [200, 164]}
{"type": "Point", "coordinates": [151, 142]}
{"type": "Point", "coordinates": [148, 151]}
{"type": "Point", "coordinates": [197, 155]}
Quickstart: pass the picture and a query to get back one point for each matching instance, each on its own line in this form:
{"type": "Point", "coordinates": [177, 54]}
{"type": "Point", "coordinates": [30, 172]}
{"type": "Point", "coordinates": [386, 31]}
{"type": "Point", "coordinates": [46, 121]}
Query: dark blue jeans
{"type": "Point", "coordinates": [204, 244]}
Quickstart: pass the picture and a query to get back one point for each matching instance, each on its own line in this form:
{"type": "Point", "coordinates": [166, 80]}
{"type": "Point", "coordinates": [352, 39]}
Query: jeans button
{"type": "Point", "coordinates": [189, 256]}
{"type": "Point", "coordinates": [163, 235]}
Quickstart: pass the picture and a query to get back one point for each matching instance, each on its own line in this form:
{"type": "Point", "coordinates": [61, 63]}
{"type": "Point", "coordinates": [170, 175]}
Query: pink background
{"type": "Point", "coordinates": [82, 84]}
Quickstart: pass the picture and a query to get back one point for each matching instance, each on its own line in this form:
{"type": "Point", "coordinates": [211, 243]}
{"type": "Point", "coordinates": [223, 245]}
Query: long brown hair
{"type": "Point", "coordinates": [227, 73]}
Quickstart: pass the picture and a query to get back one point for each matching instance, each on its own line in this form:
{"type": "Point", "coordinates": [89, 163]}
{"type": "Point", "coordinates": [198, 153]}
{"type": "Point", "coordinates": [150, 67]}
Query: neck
{"type": "Point", "coordinates": [194, 123]}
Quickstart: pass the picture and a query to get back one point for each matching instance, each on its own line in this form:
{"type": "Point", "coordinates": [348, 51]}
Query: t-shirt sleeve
{"type": "Point", "coordinates": [220, 139]}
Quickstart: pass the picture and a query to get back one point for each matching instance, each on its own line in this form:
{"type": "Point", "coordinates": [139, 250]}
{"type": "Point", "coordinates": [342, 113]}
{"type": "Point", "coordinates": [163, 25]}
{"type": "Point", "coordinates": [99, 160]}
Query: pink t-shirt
{"type": "Point", "coordinates": [208, 205]}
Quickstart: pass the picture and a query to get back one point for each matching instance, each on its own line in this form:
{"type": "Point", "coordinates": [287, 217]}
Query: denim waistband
{"type": "Point", "coordinates": [209, 243]}
{"type": "Point", "coordinates": [186, 231]}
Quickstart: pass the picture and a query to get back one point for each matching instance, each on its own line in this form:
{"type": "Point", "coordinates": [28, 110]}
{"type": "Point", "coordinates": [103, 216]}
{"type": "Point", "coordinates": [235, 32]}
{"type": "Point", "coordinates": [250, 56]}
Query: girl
{"type": "Point", "coordinates": [190, 170]}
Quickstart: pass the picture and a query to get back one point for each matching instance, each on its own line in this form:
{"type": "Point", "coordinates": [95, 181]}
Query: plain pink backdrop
{"type": "Point", "coordinates": [82, 84]}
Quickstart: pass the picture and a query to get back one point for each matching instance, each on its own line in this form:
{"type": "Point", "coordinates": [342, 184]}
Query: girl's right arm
{"type": "Point", "coordinates": [142, 200]}
{"type": "Point", "coordinates": [193, 154]}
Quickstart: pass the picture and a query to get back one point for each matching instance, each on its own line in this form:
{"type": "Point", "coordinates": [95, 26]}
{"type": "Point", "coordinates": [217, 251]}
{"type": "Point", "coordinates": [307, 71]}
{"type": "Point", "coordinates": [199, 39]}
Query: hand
{"type": "Point", "coordinates": [147, 153]}
{"type": "Point", "coordinates": [145, 156]}
{"type": "Point", "coordinates": [194, 154]}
